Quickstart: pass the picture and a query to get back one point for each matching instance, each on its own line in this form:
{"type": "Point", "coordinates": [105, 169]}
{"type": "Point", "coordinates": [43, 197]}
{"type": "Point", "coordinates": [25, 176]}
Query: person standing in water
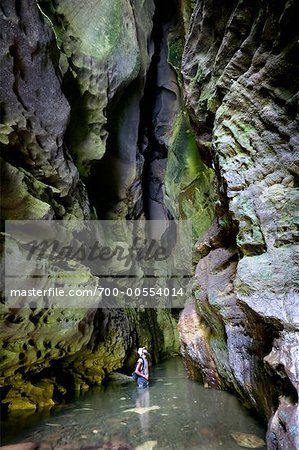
{"type": "Point", "coordinates": [142, 368]}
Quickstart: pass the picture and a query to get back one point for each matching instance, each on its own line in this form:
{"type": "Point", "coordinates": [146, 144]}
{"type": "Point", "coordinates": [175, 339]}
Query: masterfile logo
{"type": "Point", "coordinates": [125, 263]}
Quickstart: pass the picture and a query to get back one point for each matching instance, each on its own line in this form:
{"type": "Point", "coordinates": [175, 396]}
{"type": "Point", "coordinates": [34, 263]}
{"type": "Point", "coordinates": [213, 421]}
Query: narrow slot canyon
{"type": "Point", "coordinates": [139, 120]}
{"type": "Point", "coordinates": [170, 120]}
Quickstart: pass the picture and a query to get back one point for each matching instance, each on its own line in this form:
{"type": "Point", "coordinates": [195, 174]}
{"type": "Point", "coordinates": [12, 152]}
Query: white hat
{"type": "Point", "coordinates": [141, 350]}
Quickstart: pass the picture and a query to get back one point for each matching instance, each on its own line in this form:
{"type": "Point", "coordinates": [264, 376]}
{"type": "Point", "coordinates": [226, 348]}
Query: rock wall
{"type": "Point", "coordinates": [64, 73]}
{"type": "Point", "coordinates": [41, 179]}
{"type": "Point", "coordinates": [240, 330]}
{"type": "Point", "coordinates": [49, 354]}
{"type": "Point", "coordinates": [131, 109]}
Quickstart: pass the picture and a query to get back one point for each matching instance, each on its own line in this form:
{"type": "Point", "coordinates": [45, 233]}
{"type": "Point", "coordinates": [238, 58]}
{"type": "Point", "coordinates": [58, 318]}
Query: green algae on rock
{"type": "Point", "coordinates": [102, 91]}
{"type": "Point", "coordinates": [100, 55]}
{"type": "Point", "coordinates": [188, 181]}
{"type": "Point", "coordinates": [240, 79]}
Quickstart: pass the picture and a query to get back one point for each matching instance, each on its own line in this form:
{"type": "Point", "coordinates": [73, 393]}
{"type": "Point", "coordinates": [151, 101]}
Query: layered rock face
{"type": "Point", "coordinates": [135, 109]}
{"type": "Point", "coordinates": [41, 179]}
{"type": "Point", "coordinates": [49, 354]}
{"type": "Point", "coordinates": [240, 70]}
{"type": "Point", "coordinates": [57, 92]}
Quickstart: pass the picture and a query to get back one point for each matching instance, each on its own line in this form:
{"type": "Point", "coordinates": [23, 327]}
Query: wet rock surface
{"type": "Point", "coordinates": [61, 81]}
{"type": "Point", "coordinates": [41, 180]}
{"type": "Point", "coordinates": [48, 354]}
{"type": "Point", "coordinates": [240, 70]}
{"type": "Point", "coordinates": [99, 53]}
{"type": "Point", "coordinates": [143, 110]}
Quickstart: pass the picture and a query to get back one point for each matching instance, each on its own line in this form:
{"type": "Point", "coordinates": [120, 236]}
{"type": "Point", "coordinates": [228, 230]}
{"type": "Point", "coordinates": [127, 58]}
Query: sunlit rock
{"type": "Point", "coordinates": [247, 440]}
{"type": "Point", "coordinates": [148, 445]}
{"type": "Point", "coordinates": [142, 410]}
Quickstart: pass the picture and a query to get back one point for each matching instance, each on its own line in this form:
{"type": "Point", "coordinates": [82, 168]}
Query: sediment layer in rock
{"type": "Point", "coordinates": [240, 70]}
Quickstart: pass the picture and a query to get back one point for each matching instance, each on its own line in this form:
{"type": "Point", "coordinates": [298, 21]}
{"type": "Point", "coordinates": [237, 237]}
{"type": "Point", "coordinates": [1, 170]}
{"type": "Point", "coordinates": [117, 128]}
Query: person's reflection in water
{"type": "Point", "coordinates": [143, 401]}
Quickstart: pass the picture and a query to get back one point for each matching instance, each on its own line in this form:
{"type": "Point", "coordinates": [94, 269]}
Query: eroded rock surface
{"type": "Point", "coordinates": [62, 73]}
{"type": "Point", "coordinates": [99, 53]}
{"type": "Point", "coordinates": [240, 70]}
{"type": "Point", "coordinates": [49, 353]}
{"type": "Point", "coordinates": [41, 180]}
{"type": "Point", "coordinates": [97, 101]}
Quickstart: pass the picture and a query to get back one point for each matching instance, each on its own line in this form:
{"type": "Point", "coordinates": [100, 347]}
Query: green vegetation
{"type": "Point", "coordinates": [188, 181]}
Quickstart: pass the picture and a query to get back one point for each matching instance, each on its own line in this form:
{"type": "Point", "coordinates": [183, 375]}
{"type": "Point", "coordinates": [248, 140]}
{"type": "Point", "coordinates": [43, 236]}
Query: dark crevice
{"type": "Point", "coordinates": [265, 333]}
{"type": "Point", "coordinates": [147, 142]}
{"type": "Point", "coordinates": [132, 141]}
{"type": "Point", "coordinates": [18, 71]}
{"type": "Point", "coordinates": [107, 185]}
{"type": "Point", "coordinates": [154, 152]}
{"type": "Point", "coordinates": [18, 9]}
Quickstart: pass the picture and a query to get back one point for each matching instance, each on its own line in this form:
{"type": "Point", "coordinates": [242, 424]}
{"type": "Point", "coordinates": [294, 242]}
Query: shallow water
{"type": "Point", "coordinates": [174, 412]}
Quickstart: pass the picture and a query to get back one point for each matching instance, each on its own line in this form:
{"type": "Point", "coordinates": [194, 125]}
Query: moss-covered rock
{"type": "Point", "coordinates": [99, 55]}
{"type": "Point", "coordinates": [45, 360]}
{"type": "Point", "coordinates": [50, 352]}
{"type": "Point", "coordinates": [240, 68]}
{"type": "Point", "coordinates": [188, 181]}
{"type": "Point", "coordinates": [40, 179]}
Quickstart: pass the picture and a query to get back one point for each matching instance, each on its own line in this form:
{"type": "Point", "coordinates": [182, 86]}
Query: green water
{"type": "Point", "coordinates": [183, 415]}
